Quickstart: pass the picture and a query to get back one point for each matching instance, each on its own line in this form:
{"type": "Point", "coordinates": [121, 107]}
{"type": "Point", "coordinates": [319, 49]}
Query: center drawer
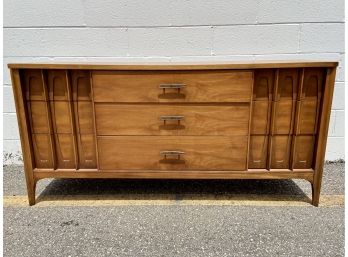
{"type": "Point", "coordinates": [178, 119]}
{"type": "Point", "coordinates": [172, 153]}
{"type": "Point", "coordinates": [172, 86]}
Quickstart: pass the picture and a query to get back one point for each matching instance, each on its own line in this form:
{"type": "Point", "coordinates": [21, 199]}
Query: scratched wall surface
{"type": "Point", "coordinates": [169, 31]}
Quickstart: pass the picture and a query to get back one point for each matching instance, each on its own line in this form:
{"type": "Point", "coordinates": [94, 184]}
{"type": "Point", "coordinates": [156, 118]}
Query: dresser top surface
{"type": "Point", "coordinates": [174, 65]}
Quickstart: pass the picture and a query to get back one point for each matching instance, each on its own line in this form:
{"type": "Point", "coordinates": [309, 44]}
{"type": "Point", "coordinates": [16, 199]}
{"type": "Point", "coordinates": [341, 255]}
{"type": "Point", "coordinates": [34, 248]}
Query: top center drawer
{"type": "Point", "coordinates": [172, 86]}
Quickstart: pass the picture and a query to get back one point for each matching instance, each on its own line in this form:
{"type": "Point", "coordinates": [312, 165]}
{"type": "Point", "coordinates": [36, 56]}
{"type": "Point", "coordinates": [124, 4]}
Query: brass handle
{"type": "Point", "coordinates": [172, 117]}
{"type": "Point", "coordinates": [173, 86]}
{"type": "Point", "coordinates": [172, 153]}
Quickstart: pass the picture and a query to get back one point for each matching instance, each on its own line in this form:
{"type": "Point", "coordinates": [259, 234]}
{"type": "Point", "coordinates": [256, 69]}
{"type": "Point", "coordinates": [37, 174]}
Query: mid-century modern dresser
{"type": "Point", "coordinates": [185, 121]}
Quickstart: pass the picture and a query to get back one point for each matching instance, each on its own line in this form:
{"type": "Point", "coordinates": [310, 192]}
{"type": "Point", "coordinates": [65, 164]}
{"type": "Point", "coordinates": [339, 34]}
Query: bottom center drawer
{"type": "Point", "coordinates": [172, 152]}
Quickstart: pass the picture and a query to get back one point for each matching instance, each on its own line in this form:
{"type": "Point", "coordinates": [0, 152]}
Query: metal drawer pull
{"type": "Point", "coordinates": [169, 86]}
{"type": "Point", "coordinates": [174, 86]}
{"type": "Point", "coordinates": [172, 117]}
{"type": "Point", "coordinates": [172, 153]}
{"type": "Point", "coordinates": [171, 122]}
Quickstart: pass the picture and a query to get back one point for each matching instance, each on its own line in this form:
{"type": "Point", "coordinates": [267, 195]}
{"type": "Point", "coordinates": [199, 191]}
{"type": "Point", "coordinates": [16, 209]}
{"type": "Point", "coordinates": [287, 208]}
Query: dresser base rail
{"type": "Point", "coordinates": [146, 174]}
{"type": "Point", "coordinates": [153, 174]}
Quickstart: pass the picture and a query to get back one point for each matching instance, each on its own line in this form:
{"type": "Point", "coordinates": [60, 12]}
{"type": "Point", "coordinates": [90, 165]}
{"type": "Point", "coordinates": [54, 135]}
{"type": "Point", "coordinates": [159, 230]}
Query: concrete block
{"type": "Point", "coordinates": [255, 39]}
{"type": "Point", "coordinates": [169, 13]}
{"type": "Point", "coordinates": [43, 13]}
{"type": "Point", "coordinates": [299, 57]}
{"type": "Point", "coordinates": [285, 11]}
{"type": "Point", "coordinates": [169, 41]}
{"type": "Point", "coordinates": [323, 37]}
{"type": "Point", "coordinates": [65, 42]}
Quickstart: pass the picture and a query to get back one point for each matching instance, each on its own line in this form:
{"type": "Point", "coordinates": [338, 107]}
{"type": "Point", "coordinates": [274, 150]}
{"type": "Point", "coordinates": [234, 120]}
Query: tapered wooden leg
{"type": "Point", "coordinates": [315, 194]}
{"type": "Point", "coordinates": [31, 193]}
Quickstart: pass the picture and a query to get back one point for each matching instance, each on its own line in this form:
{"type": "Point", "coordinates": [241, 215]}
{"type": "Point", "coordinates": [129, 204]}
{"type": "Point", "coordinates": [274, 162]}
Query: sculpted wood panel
{"type": "Point", "coordinates": [303, 154]}
{"type": "Point", "coordinates": [43, 152]}
{"type": "Point", "coordinates": [258, 152]}
{"type": "Point", "coordinates": [33, 85]}
{"type": "Point", "coordinates": [260, 117]}
{"type": "Point", "coordinates": [308, 115]}
{"type": "Point", "coordinates": [287, 84]}
{"type": "Point", "coordinates": [87, 151]}
{"type": "Point", "coordinates": [84, 117]}
{"type": "Point", "coordinates": [280, 152]}
{"type": "Point", "coordinates": [61, 116]}
{"type": "Point", "coordinates": [115, 119]}
{"type": "Point", "coordinates": [312, 83]}
{"type": "Point", "coordinates": [65, 150]}
{"type": "Point", "coordinates": [58, 86]}
{"type": "Point", "coordinates": [39, 116]}
{"type": "Point", "coordinates": [200, 153]}
{"type": "Point", "coordinates": [263, 84]}
{"type": "Point", "coordinates": [194, 86]}
{"type": "Point", "coordinates": [81, 87]}
{"type": "Point", "coordinates": [283, 116]}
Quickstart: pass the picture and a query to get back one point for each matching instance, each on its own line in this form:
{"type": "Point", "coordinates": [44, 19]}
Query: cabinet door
{"type": "Point", "coordinates": [280, 152]}
{"type": "Point", "coordinates": [303, 152]}
{"type": "Point", "coordinates": [258, 152]}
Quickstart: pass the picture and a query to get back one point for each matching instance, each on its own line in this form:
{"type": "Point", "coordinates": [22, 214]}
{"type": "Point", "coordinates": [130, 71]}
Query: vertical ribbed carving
{"type": "Point", "coordinates": [275, 115]}
{"type": "Point", "coordinates": [283, 116]}
{"type": "Point", "coordinates": [62, 118]}
{"type": "Point", "coordinates": [39, 118]}
{"type": "Point", "coordinates": [83, 110]}
{"type": "Point", "coordinates": [307, 116]}
{"type": "Point", "coordinates": [260, 118]}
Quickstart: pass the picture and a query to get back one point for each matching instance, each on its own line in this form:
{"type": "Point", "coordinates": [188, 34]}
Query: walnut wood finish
{"type": "Point", "coordinates": [196, 120]}
{"type": "Point", "coordinates": [200, 153]}
{"type": "Point", "coordinates": [223, 121]}
{"type": "Point", "coordinates": [198, 86]}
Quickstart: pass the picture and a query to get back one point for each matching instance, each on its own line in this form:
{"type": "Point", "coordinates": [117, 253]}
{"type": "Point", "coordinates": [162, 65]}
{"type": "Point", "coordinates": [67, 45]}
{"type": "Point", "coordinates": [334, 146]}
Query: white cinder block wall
{"type": "Point", "coordinates": [169, 31]}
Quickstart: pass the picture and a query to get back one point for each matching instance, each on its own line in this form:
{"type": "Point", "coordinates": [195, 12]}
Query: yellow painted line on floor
{"type": "Point", "coordinates": [165, 200]}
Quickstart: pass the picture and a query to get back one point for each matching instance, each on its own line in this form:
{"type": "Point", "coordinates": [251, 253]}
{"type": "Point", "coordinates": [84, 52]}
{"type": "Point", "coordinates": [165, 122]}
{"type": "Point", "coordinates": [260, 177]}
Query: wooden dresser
{"type": "Point", "coordinates": [184, 121]}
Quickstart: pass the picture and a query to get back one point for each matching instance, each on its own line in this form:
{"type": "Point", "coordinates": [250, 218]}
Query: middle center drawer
{"type": "Point", "coordinates": [166, 119]}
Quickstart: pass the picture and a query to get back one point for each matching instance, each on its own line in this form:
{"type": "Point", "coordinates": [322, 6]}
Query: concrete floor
{"type": "Point", "coordinates": [269, 218]}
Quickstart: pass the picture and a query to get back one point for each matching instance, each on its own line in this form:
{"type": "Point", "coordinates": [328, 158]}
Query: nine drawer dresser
{"type": "Point", "coordinates": [185, 121]}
